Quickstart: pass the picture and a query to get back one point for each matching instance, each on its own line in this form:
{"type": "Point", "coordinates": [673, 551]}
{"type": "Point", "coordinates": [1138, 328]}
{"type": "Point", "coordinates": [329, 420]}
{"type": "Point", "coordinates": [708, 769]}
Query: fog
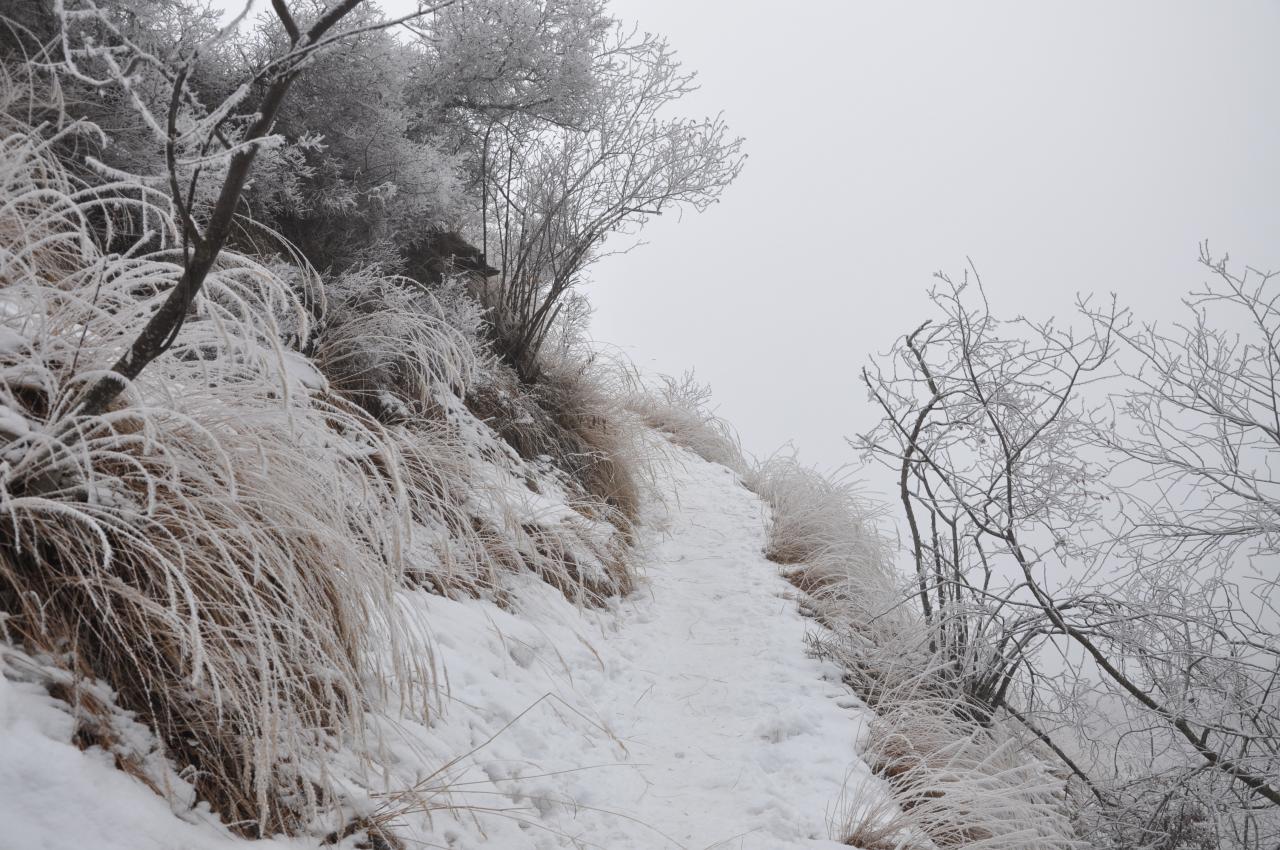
{"type": "Point", "coordinates": [1064, 148]}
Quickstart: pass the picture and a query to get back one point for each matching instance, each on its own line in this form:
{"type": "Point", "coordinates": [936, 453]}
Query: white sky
{"type": "Point", "coordinates": [1067, 146]}
{"type": "Point", "coordinates": [1064, 147]}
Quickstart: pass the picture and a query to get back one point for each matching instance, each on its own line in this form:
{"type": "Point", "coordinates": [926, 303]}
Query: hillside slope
{"type": "Point", "coordinates": [687, 715]}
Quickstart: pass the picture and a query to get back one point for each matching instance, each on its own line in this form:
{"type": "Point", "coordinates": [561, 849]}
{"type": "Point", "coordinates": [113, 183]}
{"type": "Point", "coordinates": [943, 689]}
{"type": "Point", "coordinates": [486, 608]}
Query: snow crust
{"type": "Point", "coordinates": [686, 716]}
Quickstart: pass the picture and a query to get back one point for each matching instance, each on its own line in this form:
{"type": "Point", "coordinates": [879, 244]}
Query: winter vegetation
{"type": "Point", "coordinates": [322, 521]}
{"type": "Point", "coordinates": [229, 448]}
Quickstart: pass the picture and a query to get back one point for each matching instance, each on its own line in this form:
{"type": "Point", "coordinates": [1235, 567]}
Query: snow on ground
{"type": "Point", "coordinates": [53, 796]}
{"type": "Point", "coordinates": [721, 732]}
{"type": "Point", "coordinates": [686, 716]}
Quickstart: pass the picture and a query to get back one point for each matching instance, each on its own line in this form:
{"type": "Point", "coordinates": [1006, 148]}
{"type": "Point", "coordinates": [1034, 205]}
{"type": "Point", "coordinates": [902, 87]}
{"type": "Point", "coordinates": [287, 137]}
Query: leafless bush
{"type": "Point", "coordinates": [554, 192]}
{"type": "Point", "coordinates": [1084, 571]}
{"type": "Point", "coordinates": [941, 776]}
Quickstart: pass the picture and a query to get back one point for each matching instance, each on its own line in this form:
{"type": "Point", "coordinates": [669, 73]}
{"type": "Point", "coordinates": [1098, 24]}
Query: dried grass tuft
{"type": "Point", "coordinates": [222, 545]}
{"type": "Point", "coordinates": [955, 783]}
{"type": "Point", "coordinates": [680, 409]}
{"type": "Point", "coordinates": [575, 419]}
{"type": "Point", "coordinates": [393, 346]}
{"type": "Point", "coordinates": [828, 535]}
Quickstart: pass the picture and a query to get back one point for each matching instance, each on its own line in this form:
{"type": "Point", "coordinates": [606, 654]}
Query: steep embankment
{"type": "Point", "coordinates": [688, 715]}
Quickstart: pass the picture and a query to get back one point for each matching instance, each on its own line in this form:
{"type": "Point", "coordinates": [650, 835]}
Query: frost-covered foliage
{"type": "Point", "coordinates": [392, 345]}
{"type": "Point", "coordinates": [537, 60]}
{"type": "Point", "coordinates": [364, 172]}
{"type": "Point", "coordinates": [224, 543]}
{"type": "Point", "coordinates": [212, 520]}
{"type": "Point", "coordinates": [956, 778]}
{"type": "Point", "coordinates": [681, 409]}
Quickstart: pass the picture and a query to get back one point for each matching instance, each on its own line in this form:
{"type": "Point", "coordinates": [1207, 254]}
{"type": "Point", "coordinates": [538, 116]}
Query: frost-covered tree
{"type": "Point", "coordinates": [386, 134]}
{"type": "Point", "coordinates": [1101, 575]}
{"type": "Point", "coordinates": [359, 177]}
{"type": "Point", "coordinates": [494, 60]}
{"type": "Point", "coordinates": [535, 128]}
{"type": "Point", "coordinates": [554, 191]}
{"type": "Point", "coordinates": [199, 142]}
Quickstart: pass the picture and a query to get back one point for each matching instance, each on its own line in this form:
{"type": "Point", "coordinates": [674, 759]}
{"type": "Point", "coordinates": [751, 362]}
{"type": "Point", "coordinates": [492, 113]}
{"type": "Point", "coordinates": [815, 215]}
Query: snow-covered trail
{"type": "Point", "coordinates": [741, 740]}
{"type": "Point", "coordinates": [686, 717]}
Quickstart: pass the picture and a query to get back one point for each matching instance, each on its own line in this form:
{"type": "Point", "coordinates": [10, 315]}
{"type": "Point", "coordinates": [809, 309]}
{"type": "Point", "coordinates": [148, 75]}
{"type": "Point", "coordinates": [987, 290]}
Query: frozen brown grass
{"type": "Point", "coordinates": [222, 545]}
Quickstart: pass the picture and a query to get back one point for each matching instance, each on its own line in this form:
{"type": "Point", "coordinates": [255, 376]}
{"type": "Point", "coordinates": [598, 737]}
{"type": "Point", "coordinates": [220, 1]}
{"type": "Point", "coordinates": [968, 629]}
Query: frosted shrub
{"type": "Point", "coordinates": [954, 780]}
{"type": "Point", "coordinates": [388, 344]}
{"type": "Point", "coordinates": [221, 544]}
{"type": "Point", "coordinates": [679, 408]}
{"type": "Point", "coordinates": [829, 533]}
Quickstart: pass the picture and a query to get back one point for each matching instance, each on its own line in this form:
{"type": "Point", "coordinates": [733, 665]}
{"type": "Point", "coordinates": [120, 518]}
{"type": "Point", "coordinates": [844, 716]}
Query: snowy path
{"type": "Point", "coordinates": [722, 732]}
{"type": "Point", "coordinates": [744, 742]}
